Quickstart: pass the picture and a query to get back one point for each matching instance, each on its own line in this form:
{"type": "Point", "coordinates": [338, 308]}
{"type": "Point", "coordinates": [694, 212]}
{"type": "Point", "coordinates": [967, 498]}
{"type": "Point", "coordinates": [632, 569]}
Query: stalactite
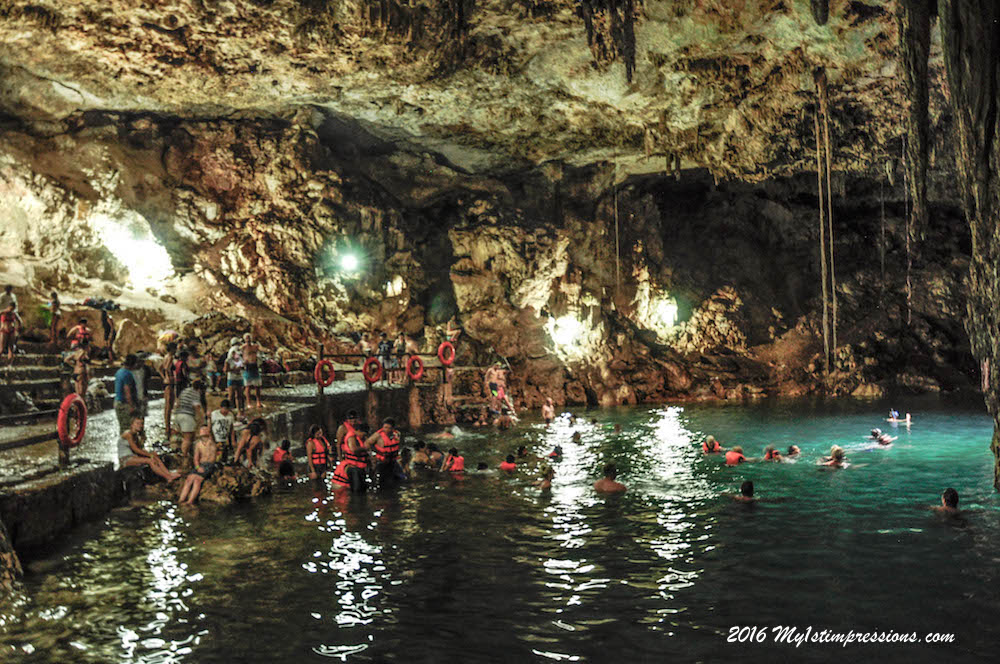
{"type": "Point", "coordinates": [610, 26]}
{"type": "Point", "coordinates": [820, 10]}
{"type": "Point", "coordinates": [914, 17]}
{"type": "Point", "coordinates": [822, 242]}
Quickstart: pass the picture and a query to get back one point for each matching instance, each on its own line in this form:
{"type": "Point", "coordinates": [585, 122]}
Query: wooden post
{"type": "Point", "coordinates": [371, 408]}
{"type": "Point", "coordinates": [63, 456]}
{"type": "Point", "coordinates": [416, 414]}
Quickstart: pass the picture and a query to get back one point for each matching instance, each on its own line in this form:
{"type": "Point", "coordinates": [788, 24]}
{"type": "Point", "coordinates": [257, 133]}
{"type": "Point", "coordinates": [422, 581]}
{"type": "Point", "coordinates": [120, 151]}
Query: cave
{"type": "Point", "coordinates": [677, 217]}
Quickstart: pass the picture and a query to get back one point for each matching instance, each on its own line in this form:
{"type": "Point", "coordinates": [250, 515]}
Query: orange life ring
{"type": "Point", "coordinates": [418, 373]}
{"type": "Point", "coordinates": [366, 370]}
{"type": "Point", "coordinates": [321, 380]}
{"type": "Point", "coordinates": [71, 402]}
{"type": "Point", "coordinates": [446, 346]}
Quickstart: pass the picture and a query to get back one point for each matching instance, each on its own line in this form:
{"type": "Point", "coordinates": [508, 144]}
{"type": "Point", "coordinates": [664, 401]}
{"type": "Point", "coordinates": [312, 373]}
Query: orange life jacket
{"type": "Point", "coordinates": [340, 474]}
{"type": "Point", "coordinates": [389, 448]}
{"type": "Point", "coordinates": [319, 457]}
{"type": "Point", "coordinates": [715, 447]}
{"type": "Point", "coordinates": [733, 458]}
{"type": "Point", "coordinates": [508, 466]}
{"type": "Point", "coordinates": [456, 464]}
{"type": "Point", "coordinates": [280, 455]}
{"type": "Point", "coordinates": [359, 458]}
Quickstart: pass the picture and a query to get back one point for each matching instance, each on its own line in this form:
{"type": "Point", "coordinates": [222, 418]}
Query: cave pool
{"type": "Point", "coordinates": [487, 569]}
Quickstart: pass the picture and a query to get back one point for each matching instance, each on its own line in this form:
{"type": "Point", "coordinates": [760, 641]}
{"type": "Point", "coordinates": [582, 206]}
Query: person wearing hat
{"type": "Point", "coordinates": [188, 405]}
{"type": "Point", "coordinates": [234, 375]}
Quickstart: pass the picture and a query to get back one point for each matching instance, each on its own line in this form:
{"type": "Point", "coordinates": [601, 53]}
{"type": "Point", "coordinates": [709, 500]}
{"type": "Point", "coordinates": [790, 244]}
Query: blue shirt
{"type": "Point", "coordinates": [122, 378]}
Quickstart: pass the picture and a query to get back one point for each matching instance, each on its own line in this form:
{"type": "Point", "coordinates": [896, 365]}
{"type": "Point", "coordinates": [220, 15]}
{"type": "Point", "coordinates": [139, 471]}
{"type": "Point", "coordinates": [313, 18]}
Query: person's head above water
{"type": "Point", "coordinates": [577, 437]}
{"type": "Point", "coordinates": [453, 451]}
{"type": "Point", "coordinates": [482, 465]}
{"type": "Point", "coordinates": [610, 470]}
{"type": "Point", "coordinates": [950, 498]}
{"type": "Point", "coordinates": [837, 452]}
{"type": "Point", "coordinates": [738, 449]}
{"type": "Point", "coordinates": [522, 451]}
{"type": "Point", "coordinates": [747, 489]}
{"type": "Point", "coordinates": [510, 458]}
{"type": "Point", "coordinates": [793, 450]}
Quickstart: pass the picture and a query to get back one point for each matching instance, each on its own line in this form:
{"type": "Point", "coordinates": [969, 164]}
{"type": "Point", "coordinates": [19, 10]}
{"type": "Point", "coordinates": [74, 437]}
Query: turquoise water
{"type": "Point", "coordinates": [488, 569]}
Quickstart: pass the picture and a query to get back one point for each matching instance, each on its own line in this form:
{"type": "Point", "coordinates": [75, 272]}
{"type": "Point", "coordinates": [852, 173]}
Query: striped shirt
{"type": "Point", "coordinates": [186, 402]}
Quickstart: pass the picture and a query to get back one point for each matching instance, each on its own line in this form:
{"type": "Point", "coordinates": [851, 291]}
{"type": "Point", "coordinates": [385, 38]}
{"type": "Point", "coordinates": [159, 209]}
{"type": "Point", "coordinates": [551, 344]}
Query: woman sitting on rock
{"type": "Point", "coordinates": [132, 451]}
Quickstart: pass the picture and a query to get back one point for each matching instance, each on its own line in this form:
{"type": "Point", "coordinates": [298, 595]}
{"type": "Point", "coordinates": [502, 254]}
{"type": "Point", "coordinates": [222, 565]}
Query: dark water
{"type": "Point", "coordinates": [488, 569]}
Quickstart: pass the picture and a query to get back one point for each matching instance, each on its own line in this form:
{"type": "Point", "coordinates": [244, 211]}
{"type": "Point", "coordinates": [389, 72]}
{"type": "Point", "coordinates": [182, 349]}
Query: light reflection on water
{"type": "Point", "coordinates": [490, 568]}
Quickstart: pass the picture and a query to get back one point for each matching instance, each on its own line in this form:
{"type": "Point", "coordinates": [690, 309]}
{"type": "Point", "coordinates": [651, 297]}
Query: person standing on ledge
{"type": "Point", "coordinates": [608, 484]}
{"type": "Point", "coordinates": [108, 325]}
{"type": "Point", "coordinates": [8, 330]}
{"type": "Point", "coordinates": [166, 371]}
{"type": "Point", "coordinates": [233, 367]}
{"type": "Point", "coordinates": [251, 369]}
{"type": "Point", "coordinates": [81, 366]}
{"type": "Point", "coordinates": [78, 334]}
{"type": "Point", "coordinates": [55, 309]}
{"type": "Point", "coordinates": [126, 394]}
{"type": "Point", "coordinates": [188, 403]}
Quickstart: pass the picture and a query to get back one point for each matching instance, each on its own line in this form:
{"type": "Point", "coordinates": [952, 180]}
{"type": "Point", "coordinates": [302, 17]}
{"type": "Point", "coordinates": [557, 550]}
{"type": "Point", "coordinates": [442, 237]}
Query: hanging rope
{"type": "Point", "coordinates": [909, 258]}
{"type": "Point", "coordinates": [881, 204]}
{"type": "Point", "coordinates": [822, 240]}
{"type": "Point", "coordinates": [824, 104]}
{"type": "Point", "coordinates": [618, 251]}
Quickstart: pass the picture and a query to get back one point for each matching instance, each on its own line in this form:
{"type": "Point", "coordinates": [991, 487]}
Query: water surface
{"type": "Point", "coordinates": [488, 569]}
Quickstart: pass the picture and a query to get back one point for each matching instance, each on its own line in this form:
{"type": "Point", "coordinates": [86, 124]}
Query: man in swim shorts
{"type": "Point", "coordinates": [548, 411]}
{"type": "Point", "coordinates": [251, 369]}
{"type": "Point", "coordinates": [205, 452]}
{"type": "Point", "coordinates": [234, 376]}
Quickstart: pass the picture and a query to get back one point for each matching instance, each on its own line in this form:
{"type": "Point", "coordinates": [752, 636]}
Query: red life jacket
{"type": "Point", "coordinates": [319, 457]}
{"type": "Point", "coordinates": [7, 319]}
{"type": "Point", "coordinates": [389, 448]}
{"type": "Point", "coordinates": [508, 466]}
{"type": "Point", "coordinates": [456, 464]}
{"type": "Point", "coordinates": [81, 333]}
{"type": "Point", "coordinates": [359, 458]}
{"type": "Point", "coordinates": [280, 455]}
{"type": "Point", "coordinates": [733, 458]}
{"type": "Point", "coordinates": [180, 372]}
{"type": "Point", "coordinates": [340, 474]}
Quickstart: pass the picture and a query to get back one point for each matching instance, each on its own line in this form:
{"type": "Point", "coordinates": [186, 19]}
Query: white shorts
{"type": "Point", "coordinates": [185, 422]}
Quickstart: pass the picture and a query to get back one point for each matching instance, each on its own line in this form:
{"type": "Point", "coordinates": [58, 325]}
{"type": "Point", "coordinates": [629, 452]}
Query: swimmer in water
{"type": "Point", "coordinates": [522, 452]}
{"type": "Point", "coordinates": [793, 451]}
{"type": "Point", "coordinates": [771, 454]}
{"type": "Point", "coordinates": [734, 457]}
{"type": "Point", "coordinates": [556, 453]}
{"type": "Point", "coordinates": [548, 411]}
{"type": "Point", "coordinates": [949, 503]}
{"type": "Point", "coordinates": [577, 437]}
{"type": "Point", "coordinates": [711, 446]}
{"type": "Point", "coordinates": [746, 493]}
{"type": "Point", "coordinates": [836, 459]}
{"type": "Point", "coordinates": [607, 484]}
{"type": "Point", "coordinates": [881, 438]}
{"type": "Point", "coordinates": [618, 428]}
{"type": "Point", "coordinates": [509, 465]}
{"type": "Point", "coordinates": [545, 484]}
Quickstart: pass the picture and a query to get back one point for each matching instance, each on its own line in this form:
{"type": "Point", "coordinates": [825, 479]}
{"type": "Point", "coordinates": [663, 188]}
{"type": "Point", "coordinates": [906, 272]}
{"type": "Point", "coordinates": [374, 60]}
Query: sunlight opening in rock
{"type": "Point", "coordinates": [129, 240]}
{"type": "Point", "coordinates": [349, 263]}
{"type": "Point", "coordinates": [569, 335]}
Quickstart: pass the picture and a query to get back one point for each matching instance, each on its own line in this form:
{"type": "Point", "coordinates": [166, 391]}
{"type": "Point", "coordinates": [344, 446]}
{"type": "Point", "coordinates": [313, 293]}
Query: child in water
{"type": "Point", "coordinates": [746, 493]}
{"type": "Point", "coordinates": [836, 459]}
{"type": "Point", "coordinates": [453, 463]}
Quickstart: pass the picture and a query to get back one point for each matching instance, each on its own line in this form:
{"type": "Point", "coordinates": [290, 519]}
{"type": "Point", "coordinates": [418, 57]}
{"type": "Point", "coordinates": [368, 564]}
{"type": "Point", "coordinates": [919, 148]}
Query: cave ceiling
{"type": "Point", "coordinates": [484, 85]}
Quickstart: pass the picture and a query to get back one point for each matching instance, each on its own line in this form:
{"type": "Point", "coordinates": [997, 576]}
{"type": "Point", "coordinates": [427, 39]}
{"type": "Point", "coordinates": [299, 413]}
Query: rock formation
{"type": "Point", "coordinates": [637, 177]}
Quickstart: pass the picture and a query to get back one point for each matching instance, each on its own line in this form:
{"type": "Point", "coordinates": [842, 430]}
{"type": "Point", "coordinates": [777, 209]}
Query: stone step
{"type": "Point", "coordinates": [37, 359]}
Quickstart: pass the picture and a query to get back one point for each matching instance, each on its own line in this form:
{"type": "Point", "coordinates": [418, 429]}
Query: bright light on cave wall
{"type": "Point", "coordinates": [129, 240]}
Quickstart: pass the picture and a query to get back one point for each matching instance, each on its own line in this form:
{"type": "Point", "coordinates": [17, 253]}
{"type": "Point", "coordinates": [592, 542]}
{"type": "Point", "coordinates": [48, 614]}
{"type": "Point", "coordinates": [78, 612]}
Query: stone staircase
{"type": "Point", "coordinates": [33, 386]}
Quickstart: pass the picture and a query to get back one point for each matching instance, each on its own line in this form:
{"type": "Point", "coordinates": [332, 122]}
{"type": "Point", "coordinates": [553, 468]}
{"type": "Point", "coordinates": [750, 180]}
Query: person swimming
{"type": "Point", "coordinates": [454, 462]}
{"type": "Point", "coordinates": [836, 459]}
{"type": "Point", "coordinates": [949, 502]}
{"type": "Point", "coordinates": [607, 484]}
{"type": "Point", "coordinates": [545, 483]}
{"type": "Point", "coordinates": [577, 437]}
{"type": "Point", "coordinates": [881, 438]}
{"type": "Point", "coordinates": [771, 454]}
{"type": "Point", "coordinates": [556, 452]}
{"type": "Point", "coordinates": [509, 464]}
{"type": "Point", "coordinates": [710, 445]}
{"type": "Point", "coordinates": [746, 493]}
{"type": "Point", "coordinates": [735, 456]}
{"type": "Point", "coordinates": [793, 451]}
